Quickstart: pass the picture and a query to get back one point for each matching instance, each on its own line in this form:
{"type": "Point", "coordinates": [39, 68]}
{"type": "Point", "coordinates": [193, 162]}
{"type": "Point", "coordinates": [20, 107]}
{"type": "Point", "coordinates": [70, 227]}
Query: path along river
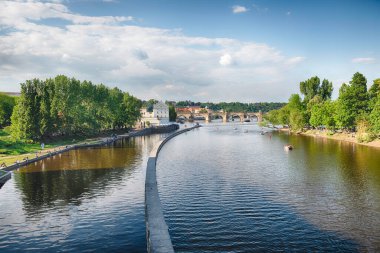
{"type": "Point", "coordinates": [223, 190]}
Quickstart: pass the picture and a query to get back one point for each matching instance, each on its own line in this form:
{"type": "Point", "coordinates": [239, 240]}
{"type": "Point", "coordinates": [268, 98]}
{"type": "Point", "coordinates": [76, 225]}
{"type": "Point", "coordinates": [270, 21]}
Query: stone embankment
{"type": "Point", "coordinates": [146, 131]}
{"type": "Point", "coordinates": [157, 231]}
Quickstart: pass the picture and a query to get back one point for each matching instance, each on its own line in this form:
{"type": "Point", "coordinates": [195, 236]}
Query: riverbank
{"type": "Point", "coordinates": [15, 161]}
{"type": "Point", "coordinates": [347, 137]}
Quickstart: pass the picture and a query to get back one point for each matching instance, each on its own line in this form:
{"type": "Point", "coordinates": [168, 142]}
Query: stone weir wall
{"type": "Point", "coordinates": [157, 232]}
{"type": "Point", "coordinates": [106, 141]}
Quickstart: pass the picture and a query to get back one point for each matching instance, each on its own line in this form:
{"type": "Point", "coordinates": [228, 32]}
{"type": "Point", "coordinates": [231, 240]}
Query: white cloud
{"type": "Point", "coordinates": [295, 60]}
{"type": "Point", "coordinates": [239, 9]}
{"type": "Point", "coordinates": [363, 60]}
{"type": "Point", "coordinates": [259, 8]}
{"type": "Point", "coordinates": [225, 60]}
{"type": "Point", "coordinates": [148, 62]}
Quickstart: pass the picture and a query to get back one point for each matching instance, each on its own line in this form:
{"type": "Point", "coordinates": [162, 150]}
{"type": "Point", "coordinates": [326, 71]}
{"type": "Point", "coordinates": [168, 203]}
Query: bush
{"type": "Point", "coordinates": [365, 137]}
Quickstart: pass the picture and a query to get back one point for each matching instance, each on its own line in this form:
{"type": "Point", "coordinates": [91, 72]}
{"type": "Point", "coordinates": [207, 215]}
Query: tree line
{"type": "Point", "coordinates": [355, 109]}
{"type": "Point", "coordinates": [7, 104]}
{"type": "Point", "coordinates": [234, 106]}
{"type": "Point", "coordinates": [66, 106]}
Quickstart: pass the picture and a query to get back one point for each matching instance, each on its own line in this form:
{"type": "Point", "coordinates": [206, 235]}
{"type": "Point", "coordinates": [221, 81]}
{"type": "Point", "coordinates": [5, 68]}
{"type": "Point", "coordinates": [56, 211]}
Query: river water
{"type": "Point", "coordinates": [235, 190]}
{"type": "Point", "coordinates": [222, 189]}
{"type": "Point", "coordinates": [85, 200]}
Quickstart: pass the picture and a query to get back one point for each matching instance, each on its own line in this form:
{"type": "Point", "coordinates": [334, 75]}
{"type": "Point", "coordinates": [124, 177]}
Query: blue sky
{"type": "Point", "coordinates": [203, 50]}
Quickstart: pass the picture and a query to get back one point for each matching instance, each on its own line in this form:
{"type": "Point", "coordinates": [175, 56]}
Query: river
{"type": "Point", "coordinates": [85, 200]}
{"type": "Point", "coordinates": [222, 189]}
{"type": "Point", "coordinates": [235, 190]}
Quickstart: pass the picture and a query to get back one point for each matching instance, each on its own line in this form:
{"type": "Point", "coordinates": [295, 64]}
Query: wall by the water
{"type": "Point", "coordinates": [157, 232]}
{"type": "Point", "coordinates": [146, 131]}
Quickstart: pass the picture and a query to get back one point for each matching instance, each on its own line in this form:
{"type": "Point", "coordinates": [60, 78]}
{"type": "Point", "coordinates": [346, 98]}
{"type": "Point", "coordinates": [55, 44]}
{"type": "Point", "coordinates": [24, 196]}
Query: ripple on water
{"type": "Point", "coordinates": [90, 200]}
{"type": "Point", "coordinates": [234, 192]}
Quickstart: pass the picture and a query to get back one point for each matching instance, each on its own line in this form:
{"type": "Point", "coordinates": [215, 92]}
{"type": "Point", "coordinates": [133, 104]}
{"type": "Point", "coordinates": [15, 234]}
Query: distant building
{"type": "Point", "coordinates": [158, 116]}
{"type": "Point", "coordinates": [190, 109]}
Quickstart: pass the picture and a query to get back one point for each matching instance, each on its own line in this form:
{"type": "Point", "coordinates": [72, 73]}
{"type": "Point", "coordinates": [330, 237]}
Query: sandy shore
{"type": "Point", "coordinates": [348, 137]}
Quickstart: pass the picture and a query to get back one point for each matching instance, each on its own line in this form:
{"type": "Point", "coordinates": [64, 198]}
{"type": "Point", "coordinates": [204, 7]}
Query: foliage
{"type": "Point", "coordinates": [325, 90]}
{"type": "Point", "coordinates": [352, 101]}
{"type": "Point", "coordinates": [363, 133]}
{"type": "Point", "coordinates": [66, 106]}
{"type": "Point", "coordinates": [234, 106]}
{"type": "Point", "coordinates": [7, 104]}
{"type": "Point", "coordinates": [355, 108]}
{"type": "Point", "coordinates": [312, 87]}
{"type": "Point", "coordinates": [374, 117]}
{"type": "Point", "coordinates": [322, 114]}
{"type": "Point", "coordinates": [172, 113]}
{"type": "Point", "coordinates": [373, 93]}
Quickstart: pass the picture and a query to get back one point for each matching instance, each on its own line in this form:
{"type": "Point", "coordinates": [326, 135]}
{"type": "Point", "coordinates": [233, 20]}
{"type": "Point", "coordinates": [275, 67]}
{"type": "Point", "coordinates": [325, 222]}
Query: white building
{"type": "Point", "coordinates": [159, 115]}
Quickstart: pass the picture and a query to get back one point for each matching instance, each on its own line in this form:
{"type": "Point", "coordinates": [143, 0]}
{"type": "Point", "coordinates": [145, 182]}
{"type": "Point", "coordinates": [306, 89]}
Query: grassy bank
{"type": "Point", "coordinates": [12, 150]}
{"type": "Point", "coordinates": [348, 137]}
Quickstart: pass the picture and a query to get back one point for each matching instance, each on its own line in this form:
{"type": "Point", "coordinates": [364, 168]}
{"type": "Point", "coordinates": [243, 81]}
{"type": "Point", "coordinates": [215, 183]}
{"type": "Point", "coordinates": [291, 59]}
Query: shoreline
{"type": "Point", "coordinates": [92, 142]}
{"type": "Point", "coordinates": [346, 137]}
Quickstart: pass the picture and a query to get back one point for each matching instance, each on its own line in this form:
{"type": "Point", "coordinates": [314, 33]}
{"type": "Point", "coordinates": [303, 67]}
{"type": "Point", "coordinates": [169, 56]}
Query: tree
{"type": "Point", "coordinates": [132, 107]}
{"type": "Point", "coordinates": [297, 113]}
{"type": "Point", "coordinates": [352, 101]}
{"type": "Point", "coordinates": [326, 89]}
{"type": "Point", "coordinates": [322, 114]}
{"type": "Point", "coordinates": [25, 121]}
{"type": "Point", "coordinates": [172, 113]}
{"type": "Point", "coordinates": [66, 106]}
{"type": "Point", "coordinates": [7, 104]}
{"type": "Point", "coordinates": [373, 93]}
{"type": "Point", "coordinates": [316, 117]}
{"type": "Point", "coordinates": [374, 117]}
{"type": "Point", "coordinates": [310, 88]}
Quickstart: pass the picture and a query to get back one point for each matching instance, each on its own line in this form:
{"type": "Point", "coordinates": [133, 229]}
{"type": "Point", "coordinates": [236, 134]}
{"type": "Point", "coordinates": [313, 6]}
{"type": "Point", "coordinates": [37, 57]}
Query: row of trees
{"type": "Point", "coordinates": [356, 109]}
{"type": "Point", "coordinates": [66, 106]}
{"type": "Point", "coordinates": [7, 104]}
{"type": "Point", "coordinates": [234, 106]}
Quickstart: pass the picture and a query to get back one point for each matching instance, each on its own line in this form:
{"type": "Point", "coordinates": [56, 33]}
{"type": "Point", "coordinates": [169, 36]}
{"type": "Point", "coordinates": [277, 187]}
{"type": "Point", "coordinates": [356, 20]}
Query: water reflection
{"type": "Point", "coordinates": [227, 189]}
{"type": "Point", "coordinates": [84, 200]}
{"type": "Point", "coordinates": [43, 189]}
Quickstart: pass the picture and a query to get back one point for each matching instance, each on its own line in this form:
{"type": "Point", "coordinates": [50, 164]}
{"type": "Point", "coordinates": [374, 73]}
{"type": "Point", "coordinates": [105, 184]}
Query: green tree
{"type": "Point", "coordinates": [322, 114]}
{"type": "Point", "coordinates": [373, 93]}
{"type": "Point", "coordinates": [374, 117]}
{"type": "Point", "coordinates": [297, 113]}
{"type": "Point", "coordinates": [132, 107]}
{"type": "Point", "coordinates": [310, 88]}
{"type": "Point", "coordinates": [25, 121]}
{"type": "Point", "coordinates": [326, 89]}
{"type": "Point", "coordinates": [352, 101]}
{"type": "Point", "coordinates": [172, 113]}
{"type": "Point", "coordinates": [7, 104]}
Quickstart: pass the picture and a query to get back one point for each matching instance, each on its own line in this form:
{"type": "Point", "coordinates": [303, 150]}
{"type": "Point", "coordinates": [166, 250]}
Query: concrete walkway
{"type": "Point", "coordinates": [157, 232]}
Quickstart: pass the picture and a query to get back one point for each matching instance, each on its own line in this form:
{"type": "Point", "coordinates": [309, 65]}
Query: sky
{"type": "Point", "coordinates": [199, 50]}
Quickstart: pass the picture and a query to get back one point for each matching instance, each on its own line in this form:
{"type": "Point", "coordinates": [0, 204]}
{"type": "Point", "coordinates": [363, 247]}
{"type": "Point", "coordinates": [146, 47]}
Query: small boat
{"type": "Point", "coordinates": [235, 128]}
{"type": "Point", "coordinates": [262, 133]}
{"type": "Point", "coordinates": [288, 147]}
{"type": "Point", "coordinates": [4, 177]}
{"type": "Point", "coordinates": [245, 131]}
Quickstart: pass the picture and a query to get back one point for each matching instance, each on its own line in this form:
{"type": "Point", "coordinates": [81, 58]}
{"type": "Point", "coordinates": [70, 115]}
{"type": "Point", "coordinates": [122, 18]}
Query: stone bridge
{"type": "Point", "coordinates": [226, 116]}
